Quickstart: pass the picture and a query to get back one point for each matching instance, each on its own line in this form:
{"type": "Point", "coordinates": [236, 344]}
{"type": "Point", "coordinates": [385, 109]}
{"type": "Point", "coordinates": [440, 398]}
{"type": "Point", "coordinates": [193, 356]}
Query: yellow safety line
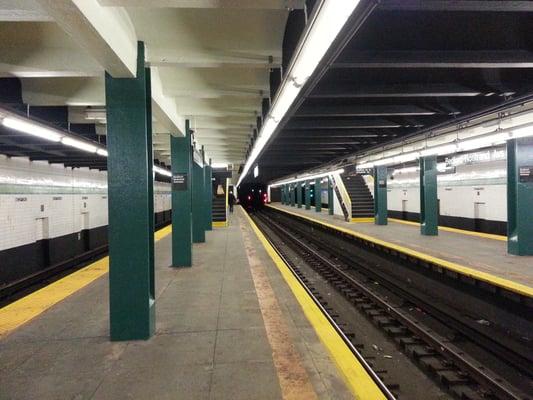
{"type": "Point", "coordinates": [460, 269]}
{"type": "Point", "coordinates": [220, 224]}
{"type": "Point", "coordinates": [456, 230]}
{"type": "Point", "coordinates": [362, 219]}
{"type": "Point", "coordinates": [25, 309]}
{"type": "Point", "coordinates": [357, 379]}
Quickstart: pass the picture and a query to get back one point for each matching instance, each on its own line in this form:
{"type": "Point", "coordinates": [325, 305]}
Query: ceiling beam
{"type": "Point", "coordinates": [456, 5]}
{"type": "Point", "coordinates": [346, 110]}
{"type": "Point", "coordinates": [101, 31]}
{"type": "Point", "coordinates": [437, 59]}
{"type": "Point", "coordinates": [355, 90]}
{"type": "Point", "coordinates": [240, 4]}
{"type": "Point", "coordinates": [296, 124]}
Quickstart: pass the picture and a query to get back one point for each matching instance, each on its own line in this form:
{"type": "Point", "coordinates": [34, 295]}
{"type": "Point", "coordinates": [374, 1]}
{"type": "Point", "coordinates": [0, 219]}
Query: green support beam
{"type": "Point", "coordinates": [130, 200]}
{"type": "Point", "coordinates": [307, 195]}
{"type": "Point", "coordinates": [429, 212]}
{"type": "Point", "coordinates": [380, 195]}
{"type": "Point", "coordinates": [198, 204]}
{"type": "Point", "coordinates": [293, 195]}
{"type": "Point", "coordinates": [318, 194]}
{"type": "Point", "coordinates": [207, 201]}
{"type": "Point", "coordinates": [180, 153]}
{"type": "Point", "coordinates": [282, 191]}
{"type": "Point", "coordinates": [209, 187]}
{"type": "Point", "coordinates": [520, 196]}
{"type": "Point", "coordinates": [330, 197]}
{"type": "Point", "coordinates": [299, 194]}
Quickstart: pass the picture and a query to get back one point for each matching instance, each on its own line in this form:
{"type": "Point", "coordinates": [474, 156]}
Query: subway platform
{"type": "Point", "coordinates": [229, 327]}
{"type": "Point", "coordinates": [477, 255]}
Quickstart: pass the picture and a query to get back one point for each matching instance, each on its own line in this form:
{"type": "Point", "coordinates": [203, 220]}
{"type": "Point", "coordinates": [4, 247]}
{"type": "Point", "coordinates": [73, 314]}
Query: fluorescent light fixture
{"type": "Point", "coordinates": [308, 177]}
{"type": "Point", "coordinates": [523, 132]}
{"type": "Point", "coordinates": [406, 157]}
{"type": "Point", "coordinates": [161, 171]}
{"type": "Point", "coordinates": [323, 29]}
{"type": "Point", "coordinates": [31, 128]}
{"type": "Point", "coordinates": [477, 143]}
{"type": "Point", "coordinates": [78, 144]}
{"type": "Point", "coordinates": [256, 171]}
{"type": "Point", "coordinates": [365, 165]}
{"type": "Point", "coordinates": [384, 161]}
{"type": "Point", "coordinates": [439, 150]}
{"type": "Point", "coordinates": [102, 152]}
{"type": "Point", "coordinates": [219, 165]}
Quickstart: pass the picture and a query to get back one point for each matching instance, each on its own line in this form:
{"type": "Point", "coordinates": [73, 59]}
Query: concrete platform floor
{"type": "Point", "coordinates": [482, 254]}
{"type": "Point", "coordinates": [211, 341]}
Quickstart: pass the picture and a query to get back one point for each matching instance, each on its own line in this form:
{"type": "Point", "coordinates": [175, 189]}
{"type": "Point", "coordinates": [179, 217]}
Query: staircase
{"type": "Point", "coordinates": [219, 209]}
{"type": "Point", "coordinates": [360, 196]}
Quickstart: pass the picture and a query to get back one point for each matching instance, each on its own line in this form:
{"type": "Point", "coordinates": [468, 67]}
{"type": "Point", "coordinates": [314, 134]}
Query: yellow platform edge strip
{"type": "Point", "coordinates": [357, 379]}
{"type": "Point", "coordinates": [456, 230]}
{"type": "Point", "coordinates": [460, 269]}
{"type": "Point", "coordinates": [25, 309]}
{"type": "Point", "coordinates": [220, 224]}
{"type": "Point", "coordinates": [362, 219]}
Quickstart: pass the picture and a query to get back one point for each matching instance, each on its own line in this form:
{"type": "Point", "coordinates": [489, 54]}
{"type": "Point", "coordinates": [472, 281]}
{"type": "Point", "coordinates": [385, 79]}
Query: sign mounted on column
{"type": "Point", "coordinates": [179, 181]}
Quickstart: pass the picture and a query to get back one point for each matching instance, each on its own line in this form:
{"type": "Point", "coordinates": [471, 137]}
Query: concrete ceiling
{"type": "Point", "coordinates": [210, 60]}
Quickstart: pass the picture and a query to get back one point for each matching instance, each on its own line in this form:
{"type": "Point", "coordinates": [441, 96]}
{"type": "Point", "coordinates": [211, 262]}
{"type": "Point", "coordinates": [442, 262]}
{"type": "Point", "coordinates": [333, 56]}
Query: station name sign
{"type": "Point", "coordinates": [179, 181]}
{"type": "Point", "coordinates": [477, 157]}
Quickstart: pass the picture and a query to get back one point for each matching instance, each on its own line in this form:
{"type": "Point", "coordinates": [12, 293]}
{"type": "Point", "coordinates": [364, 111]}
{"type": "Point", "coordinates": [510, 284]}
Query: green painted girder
{"type": "Point", "coordinates": [520, 196]}
{"type": "Point", "coordinates": [198, 205]}
{"type": "Point", "coordinates": [331, 201]}
{"type": "Point", "coordinates": [299, 194]}
{"type": "Point", "coordinates": [207, 200]}
{"type": "Point", "coordinates": [429, 212]}
{"type": "Point", "coordinates": [181, 157]}
{"type": "Point", "coordinates": [307, 195]}
{"type": "Point", "coordinates": [130, 202]}
{"type": "Point", "coordinates": [209, 190]}
{"type": "Point", "coordinates": [293, 195]}
{"type": "Point", "coordinates": [318, 194]}
{"type": "Point", "coordinates": [380, 195]}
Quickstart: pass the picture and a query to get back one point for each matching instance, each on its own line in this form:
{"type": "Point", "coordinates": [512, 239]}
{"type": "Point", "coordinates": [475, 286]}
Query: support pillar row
{"type": "Point", "coordinates": [130, 200]}
{"type": "Point", "coordinates": [181, 157]}
{"type": "Point", "coordinates": [520, 196]}
{"type": "Point", "coordinates": [380, 195]}
{"type": "Point", "coordinates": [429, 213]}
{"type": "Point", "coordinates": [331, 201]}
{"type": "Point", "coordinates": [318, 194]}
{"type": "Point", "coordinates": [307, 195]}
{"type": "Point", "coordinates": [299, 194]}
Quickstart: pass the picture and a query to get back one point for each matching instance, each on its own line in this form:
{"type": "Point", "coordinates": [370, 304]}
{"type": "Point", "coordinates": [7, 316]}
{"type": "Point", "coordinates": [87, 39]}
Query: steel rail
{"type": "Point", "coordinates": [439, 343]}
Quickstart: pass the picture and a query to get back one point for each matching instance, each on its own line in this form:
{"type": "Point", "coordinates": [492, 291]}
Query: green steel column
{"type": "Point", "coordinates": [307, 195]}
{"type": "Point", "coordinates": [330, 197]}
{"type": "Point", "coordinates": [380, 195]}
{"type": "Point", "coordinates": [209, 183]}
{"type": "Point", "coordinates": [130, 191]}
{"type": "Point", "coordinates": [520, 196]}
{"type": "Point", "coordinates": [318, 194]}
{"type": "Point", "coordinates": [293, 195]}
{"type": "Point", "coordinates": [198, 196]}
{"type": "Point", "coordinates": [282, 189]}
{"type": "Point", "coordinates": [429, 213]}
{"type": "Point", "coordinates": [180, 153]}
{"type": "Point", "coordinates": [206, 199]}
{"type": "Point", "coordinates": [299, 194]}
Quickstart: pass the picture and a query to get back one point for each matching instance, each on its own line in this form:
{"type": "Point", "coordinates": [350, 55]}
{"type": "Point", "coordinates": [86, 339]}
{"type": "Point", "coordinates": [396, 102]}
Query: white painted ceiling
{"type": "Point", "coordinates": [210, 60]}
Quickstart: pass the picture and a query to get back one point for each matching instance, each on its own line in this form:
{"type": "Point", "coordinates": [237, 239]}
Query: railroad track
{"type": "Point", "coordinates": [436, 339]}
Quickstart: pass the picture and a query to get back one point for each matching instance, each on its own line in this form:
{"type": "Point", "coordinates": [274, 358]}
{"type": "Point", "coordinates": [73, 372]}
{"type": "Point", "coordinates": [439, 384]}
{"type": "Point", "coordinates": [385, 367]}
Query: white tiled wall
{"type": "Point", "coordinates": [458, 193]}
{"type": "Point", "coordinates": [40, 200]}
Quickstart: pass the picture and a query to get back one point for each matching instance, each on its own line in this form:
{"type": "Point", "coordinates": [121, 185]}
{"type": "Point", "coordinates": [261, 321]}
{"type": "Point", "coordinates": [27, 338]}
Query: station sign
{"type": "Point", "coordinates": [179, 181]}
{"type": "Point", "coordinates": [476, 157]}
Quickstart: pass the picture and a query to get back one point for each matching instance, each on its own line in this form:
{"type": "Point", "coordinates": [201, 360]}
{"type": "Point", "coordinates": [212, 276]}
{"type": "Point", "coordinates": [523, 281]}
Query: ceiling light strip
{"type": "Point", "coordinates": [39, 130]}
{"type": "Point", "coordinates": [323, 29]}
{"type": "Point", "coordinates": [307, 177]}
{"type": "Point", "coordinates": [493, 139]}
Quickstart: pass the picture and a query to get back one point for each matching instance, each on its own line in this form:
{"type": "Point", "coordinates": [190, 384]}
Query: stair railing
{"type": "Point", "coordinates": [342, 196]}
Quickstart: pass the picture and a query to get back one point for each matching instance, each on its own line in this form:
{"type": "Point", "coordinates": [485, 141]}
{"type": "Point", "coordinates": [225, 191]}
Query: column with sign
{"type": "Point", "coordinates": [520, 196]}
{"type": "Point", "coordinates": [380, 195]}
